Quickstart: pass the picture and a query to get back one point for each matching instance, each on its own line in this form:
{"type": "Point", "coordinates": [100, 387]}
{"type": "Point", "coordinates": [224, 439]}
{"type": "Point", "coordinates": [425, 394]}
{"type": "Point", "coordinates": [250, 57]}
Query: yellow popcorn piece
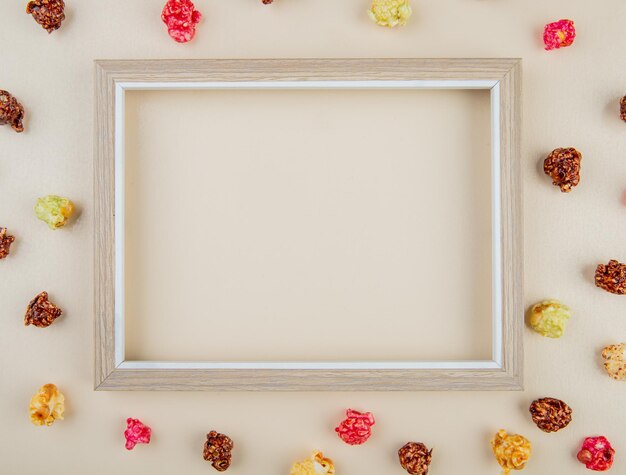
{"type": "Point", "coordinates": [54, 210]}
{"type": "Point", "coordinates": [550, 318]}
{"type": "Point", "coordinates": [390, 12]}
{"type": "Point", "coordinates": [317, 464]}
{"type": "Point", "coordinates": [47, 405]}
{"type": "Point", "coordinates": [511, 451]}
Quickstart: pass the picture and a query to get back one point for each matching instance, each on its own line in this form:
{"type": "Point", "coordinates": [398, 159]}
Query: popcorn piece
{"type": "Point", "coordinates": [563, 166]}
{"type": "Point", "coordinates": [549, 318]}
{"type": "Point", "coordinates": [390, 12]}
{"type": "Point", "coordinates": [622, 108]}
{"type": "Point", "coordinates": [47, 405]}
{"type": "Point", "coordinates": [218, 450]}
{"type": "Point", "coordinates": [511, 451]}
{"type": "Point", "coordinates": [415, 458]}
{"type": "Point", "coordinates": [181, 18]}
{"type": "Point", "coordinates": [48, 13]}
{"type": "Point", "coordinates": [267, 2]}
{"type": "Point", "coordinates": [356, 428]}
{"type": "Point", "coordinates": [317, 464]}
{"type": "Point", "coordinates": [11, 111]}
{"type": "Point", "coordinates": [614, 361]}
{"type": "Point", "coordinates": [41, 312]}
{"type": "Point", "coordinates": [54, 210]}
{"type": "Point", "coordinates": [597, 454]}
{"type": "Point", "coordinates": [550, 414]}
{"type": "Point", "coordinates": [5, 243]}
{"type": "Point", "coordinates": [559, 34]}
{"type": "Point", "coordinates": [136, 433]}
{"type": "Point", "coordinates": [611, 277]}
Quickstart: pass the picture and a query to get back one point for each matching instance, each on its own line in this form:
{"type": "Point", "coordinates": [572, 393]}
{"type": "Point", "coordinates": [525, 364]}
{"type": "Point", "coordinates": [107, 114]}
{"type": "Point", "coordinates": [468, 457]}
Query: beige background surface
{"type": "Point", "coordinates": [570, 99]}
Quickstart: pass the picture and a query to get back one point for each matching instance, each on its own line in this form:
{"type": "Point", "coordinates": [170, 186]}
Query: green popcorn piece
{"type": "Point", "coordinates": [549, 318]}
{"type": "Point", "coordinates": [54, 210]}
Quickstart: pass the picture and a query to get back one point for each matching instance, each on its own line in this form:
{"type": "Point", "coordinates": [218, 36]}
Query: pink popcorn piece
{"type": "Point", "coordinates": [597, 454]}
{"type": "Point", "coordinates": [181, 18]}
{"type": "Point", "coordinates": [136, 433]}
{"type": "Point", "coordinates": [356, 428]}
{"type": "Point", "coordinates": [559, 34]}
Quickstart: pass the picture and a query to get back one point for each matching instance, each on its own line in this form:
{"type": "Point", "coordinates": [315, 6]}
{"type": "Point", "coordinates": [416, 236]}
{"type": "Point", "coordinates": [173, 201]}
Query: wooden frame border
{"type": "Point", "coordinates": [501, 76]}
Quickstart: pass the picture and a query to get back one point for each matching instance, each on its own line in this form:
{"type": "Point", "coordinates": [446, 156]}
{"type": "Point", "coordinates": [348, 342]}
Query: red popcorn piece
{"type": "Point", "coordinates": [559, 34]}
{"type": "Point", "coordinates": [356, 428]}
{"type": "Point", "coordinates": [181, 18]}
{"type": "Point", "coordinates": [136, 433]}
{"type": "Point", "coordinates": [597, 454]}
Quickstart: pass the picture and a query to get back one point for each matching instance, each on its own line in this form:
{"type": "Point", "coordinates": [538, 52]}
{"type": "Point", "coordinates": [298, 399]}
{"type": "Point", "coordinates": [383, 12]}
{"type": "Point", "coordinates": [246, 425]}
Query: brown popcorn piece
{"type": "Point", "coordinates": [11, 111]}
{"type": "Point", "coordinates": [5, 243]}
{"type": "Point", "coordinates": [41, 312]}
{"type": "Point", "coordinates": [48, 13]}
{"type": "Point", "coordinates": [614, 361]}
{"type": "Point", "coordinates": [217, 450]}
{"type": "Point", "coordinates": [550, 414]}
{"type": "Point", "coordinates": [415, 458]}
{"type": "Point", "coordinates": [622, 108]}
{"type": "Point", "coordinates": [612, 277]}
{"type": "Point", "coordinates": [563, 166]}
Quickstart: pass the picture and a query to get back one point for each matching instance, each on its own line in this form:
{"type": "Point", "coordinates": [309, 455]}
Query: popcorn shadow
{"type": "Point", "coordinates": [612, 110]}
{"type": "Point", "coordinates": [588, 273]}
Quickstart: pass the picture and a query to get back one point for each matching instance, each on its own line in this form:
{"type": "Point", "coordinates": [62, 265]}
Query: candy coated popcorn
{"type": "Point", "coordinates": [136, 433]}
{"type": "Point", "coordinates": [563, 166]}
{"type": "Point", "coordinates": [41, 312]}
{"type": "Point", "coordinates": [597, 454]}
{"type": "Point", "coordinates": [218, 450]}
{"type": "Point", "coordinates": [390, 12]}
{"type": "Point", "coordinates": [181, 18]}
{"type": "Point", "coordinates": [614, 361]}
{"type": "Point", "coordinates": [550, 318]}
{"type": "Point", "coordinates": [559, 34]}
{"type": "Point", "coordinates": [511, 451]}
{"type": "Point", "coordinates": [415, 458]}
{"type": "Point", "coordinates": [5, 242]}
{"type": "Point", "coordinates": [47, 405]}
{"type": "Point", "coordinates": [317, 464]}
{"type": "Point", "coordinates": [54, 210]}
{"type": "Point", "coordinates": [356, 428]}
{"type": "Point", "coordinates": [11, 111]}
{"type": "Point", "coordinates": [48, 13]}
